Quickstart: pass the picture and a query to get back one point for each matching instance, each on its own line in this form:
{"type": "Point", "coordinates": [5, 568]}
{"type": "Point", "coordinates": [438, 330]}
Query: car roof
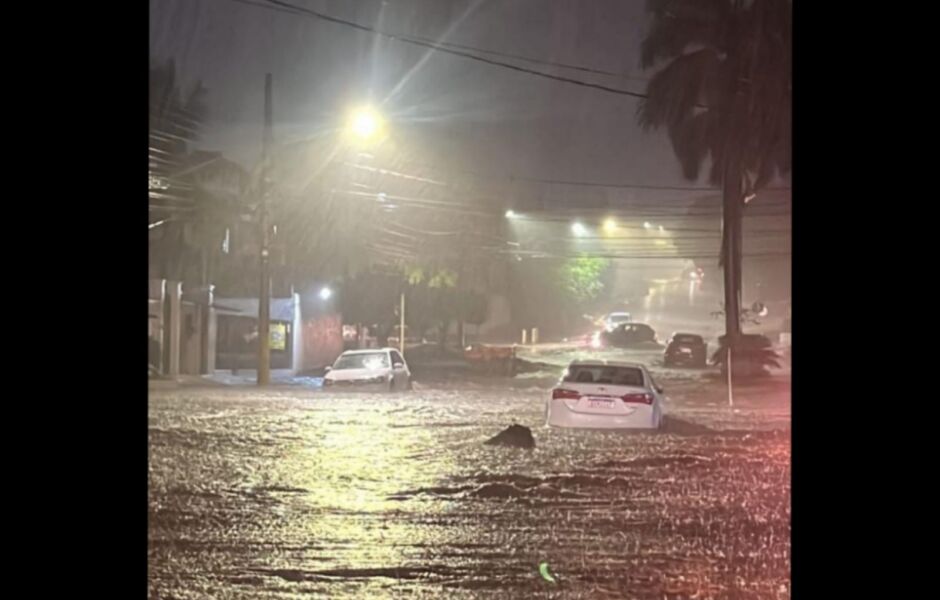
{"type": "Point", "coordinates": [605, 363]}
{"type": "Point", "coordinates": [367, 351]}
{"type": "Point", "coordinates": [618, 314]}
{"type": "Point", "coordinates": [681, 334]}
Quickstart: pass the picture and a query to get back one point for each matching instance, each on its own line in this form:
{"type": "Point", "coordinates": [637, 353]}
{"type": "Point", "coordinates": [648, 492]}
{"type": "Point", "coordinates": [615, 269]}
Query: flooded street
{"type": "Point", "coordinates": [293, 492]}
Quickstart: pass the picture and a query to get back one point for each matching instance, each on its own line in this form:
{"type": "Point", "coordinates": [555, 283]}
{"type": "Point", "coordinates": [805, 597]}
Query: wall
{"type": "Point", "coordinates": [322, 340]}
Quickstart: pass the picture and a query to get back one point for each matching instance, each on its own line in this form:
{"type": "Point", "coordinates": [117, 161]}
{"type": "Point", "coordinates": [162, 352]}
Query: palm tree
{"type": "Point", "coordinates": [723, 94]}
{"type": "Point", "coordinates": [175, 120]}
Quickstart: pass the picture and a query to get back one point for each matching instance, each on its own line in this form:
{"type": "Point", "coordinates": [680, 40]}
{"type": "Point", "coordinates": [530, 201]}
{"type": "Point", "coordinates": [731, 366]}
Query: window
{"type": "Point", "coordinates": [631, 376]}
{"type": "Point", "coordinates": [365, 360]}
{"type": "Point", "coordinates": [396, 357]}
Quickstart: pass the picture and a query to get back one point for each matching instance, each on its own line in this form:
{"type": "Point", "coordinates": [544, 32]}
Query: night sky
{"type": "Point", "coordinates": [484, 117]}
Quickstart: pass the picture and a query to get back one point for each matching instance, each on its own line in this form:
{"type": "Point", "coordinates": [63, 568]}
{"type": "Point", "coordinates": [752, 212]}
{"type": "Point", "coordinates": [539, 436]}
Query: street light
{"type": "Point", "coordinates": [366, 124]}
{"type": "Point", "coordinates": [510, 214]}
{"type": "Point", "coordinates": [610, 225]}
{"type": "Point", "coordinates": [647, 225]}
{"type": "Point", "coordinates": [325, 293]}
{"type": "Point", "coordinates": [578, 229]}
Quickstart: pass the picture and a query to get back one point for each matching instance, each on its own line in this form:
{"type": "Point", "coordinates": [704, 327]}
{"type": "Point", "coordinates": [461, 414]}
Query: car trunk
{"type": "Point", "coordinates": [603, 399]}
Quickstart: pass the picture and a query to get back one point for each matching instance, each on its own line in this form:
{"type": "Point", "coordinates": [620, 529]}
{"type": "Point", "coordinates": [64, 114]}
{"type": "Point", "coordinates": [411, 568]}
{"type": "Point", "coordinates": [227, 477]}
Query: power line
{"type": "Point", "coordinates": [293, 9]}
{"type": "Point", "coordinates": [634, 185]}
{"type": "Point", "coordinates": [528, 59]}
{"type": "Point", "coordinates": [582, 183]}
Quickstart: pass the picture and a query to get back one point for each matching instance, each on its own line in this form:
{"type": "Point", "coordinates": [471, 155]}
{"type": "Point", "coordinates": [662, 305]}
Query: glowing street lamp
{"type": "Point", "coordinates": [366, 124]}
{"type": "Point", "coordinates": [610, 226]}
{"type": "Point", "coordinates": [325, 293]}
{"type": "Point", "coordinates": [578, 229]}
{"type": "Point", "coordinates": [510, 214]}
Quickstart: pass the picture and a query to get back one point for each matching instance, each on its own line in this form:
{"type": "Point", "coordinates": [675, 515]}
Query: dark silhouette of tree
{"type": "Point", "coordinates": [175, 120]}
{"type": "Point", "coordinates": [723, 95]}
{"type": "Point", "coordinates": [195, 196]}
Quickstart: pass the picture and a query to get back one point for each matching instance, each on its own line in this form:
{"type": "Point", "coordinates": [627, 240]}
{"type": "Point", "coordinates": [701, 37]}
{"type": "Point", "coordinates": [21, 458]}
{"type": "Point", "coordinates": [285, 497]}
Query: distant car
{"type": "Point", "coordinates": [754, 355]}
{"type": "Point", "coordinates": [612, 320]}
{"type": "Point", "coordinates": [605, 395]}
{"type": "Point", "coordinates": [686, 349]}
{"type": "Point", "coordinates": [380, 370]}
{"type": "Point", "coordinates": [625, 335]}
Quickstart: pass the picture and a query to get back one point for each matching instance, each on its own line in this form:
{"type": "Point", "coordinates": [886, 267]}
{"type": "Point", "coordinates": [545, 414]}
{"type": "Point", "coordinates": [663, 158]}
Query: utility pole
{"type": "Point", "coordinates": [264, 295]}
{"type": "Point", "coordinates": [401, 326]}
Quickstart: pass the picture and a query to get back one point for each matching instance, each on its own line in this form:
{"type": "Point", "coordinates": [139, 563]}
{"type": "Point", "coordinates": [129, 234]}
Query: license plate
{"type": "Point", "coordinates": [600, 402]}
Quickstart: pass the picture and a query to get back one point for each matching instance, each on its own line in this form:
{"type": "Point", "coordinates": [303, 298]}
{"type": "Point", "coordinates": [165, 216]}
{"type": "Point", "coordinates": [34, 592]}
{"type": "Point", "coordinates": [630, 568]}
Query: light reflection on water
{"type": "Point", "coordinates": [267, 495]}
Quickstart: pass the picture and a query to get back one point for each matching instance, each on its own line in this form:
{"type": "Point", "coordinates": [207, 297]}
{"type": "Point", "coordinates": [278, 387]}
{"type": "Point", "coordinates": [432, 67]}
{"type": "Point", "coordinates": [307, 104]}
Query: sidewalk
{"type": "Point", "coordinates": [245, 377]}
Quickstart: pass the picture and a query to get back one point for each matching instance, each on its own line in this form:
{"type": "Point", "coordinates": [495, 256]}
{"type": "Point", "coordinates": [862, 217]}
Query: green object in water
{"type": "Point", "coordinates": [543, 571]}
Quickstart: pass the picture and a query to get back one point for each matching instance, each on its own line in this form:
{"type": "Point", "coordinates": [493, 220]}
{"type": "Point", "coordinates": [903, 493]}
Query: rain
{"type": "Point", "coordinates": [384, 234]}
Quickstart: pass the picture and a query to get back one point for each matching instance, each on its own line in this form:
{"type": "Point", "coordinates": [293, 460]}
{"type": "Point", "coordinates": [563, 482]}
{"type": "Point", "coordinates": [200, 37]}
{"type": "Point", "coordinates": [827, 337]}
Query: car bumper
{"type": "Point", "coordinates": [559, 415]}
{"type": "Point", "coordinates": [355, 386]}
{"type": "Point", "coordinates": [683, 358]}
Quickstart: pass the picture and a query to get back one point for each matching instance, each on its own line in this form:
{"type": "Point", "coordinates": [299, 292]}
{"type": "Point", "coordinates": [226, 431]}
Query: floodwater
{"type": "Point", "coordinates": [296, 493]}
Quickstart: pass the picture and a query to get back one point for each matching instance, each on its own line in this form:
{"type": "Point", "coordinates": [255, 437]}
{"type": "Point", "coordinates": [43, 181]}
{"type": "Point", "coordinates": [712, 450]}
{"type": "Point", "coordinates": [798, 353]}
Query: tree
{"type": "Point", "coordinates": [370, 298]}
{"type": "Point", "coordinates": [724, 95]}
{"type": "Point", "coordinates": [583, 278]}
{"type": "Point", "coordinates": [175, 120]}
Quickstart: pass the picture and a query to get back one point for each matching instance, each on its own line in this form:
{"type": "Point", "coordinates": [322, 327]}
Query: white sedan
{"type": "Point", "coordinates": [379, 370]}
{"type": "Point", "coordinates": [601, 394]}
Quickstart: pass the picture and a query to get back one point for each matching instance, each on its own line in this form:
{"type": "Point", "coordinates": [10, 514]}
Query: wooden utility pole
{"type": "Point", "coordinates": [264, 292]}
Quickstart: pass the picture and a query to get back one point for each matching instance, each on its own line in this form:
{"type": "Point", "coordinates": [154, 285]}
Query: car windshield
{"type": "Point", "coordinates": [370, 360]}
{"type": "Point", "coordinates": [631, 376]}
{"type": "Point", "coordinates": [687, 339]}
{"type": "Point", "coordinates": [619, 318]}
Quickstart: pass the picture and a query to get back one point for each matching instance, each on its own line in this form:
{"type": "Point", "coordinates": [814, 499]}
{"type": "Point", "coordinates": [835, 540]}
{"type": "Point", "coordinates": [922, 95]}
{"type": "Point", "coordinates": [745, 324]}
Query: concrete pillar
{"type": "Point", "coordinates": [173, 326]}
{"type": "Point", "coordinates": [156, 299]}
{"type": "Point", "coordinates": [211, 343]}
{"type": "Point", "coordinates": [297, 336]}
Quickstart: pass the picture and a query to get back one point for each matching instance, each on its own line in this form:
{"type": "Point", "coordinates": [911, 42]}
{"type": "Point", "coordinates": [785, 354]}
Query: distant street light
{"type": "Point", "coordinates": [325, 293]}
{"type": "Point", "coordinates": [578, 229]}
{"type": "Point", "coordinates": [510, 214]}
{"type": "Point", "coordinates": [647, 225]}
{"type": "Point", "coordinates": [610, 225]}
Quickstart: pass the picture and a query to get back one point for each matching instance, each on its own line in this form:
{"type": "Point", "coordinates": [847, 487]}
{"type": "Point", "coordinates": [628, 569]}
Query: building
{"type": "Point", "coordinates": [195, 333]}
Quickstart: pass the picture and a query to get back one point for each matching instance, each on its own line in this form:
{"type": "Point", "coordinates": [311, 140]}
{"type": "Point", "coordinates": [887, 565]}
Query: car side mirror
{"type": "Point", "coordinates": [328, 369]}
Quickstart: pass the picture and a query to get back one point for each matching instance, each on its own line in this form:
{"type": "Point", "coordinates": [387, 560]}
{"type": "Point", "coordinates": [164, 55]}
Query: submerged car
{"type": "Point", "coordinates": [625, 335]}
{"type": "Point", "coordinates": [614, 319]}
{"type": "Point", "coordinates": [605, 395]}
{"type": "Point", "coordinates": [378, 370]}
{"type": "Point", "coordinates": [686, 349]}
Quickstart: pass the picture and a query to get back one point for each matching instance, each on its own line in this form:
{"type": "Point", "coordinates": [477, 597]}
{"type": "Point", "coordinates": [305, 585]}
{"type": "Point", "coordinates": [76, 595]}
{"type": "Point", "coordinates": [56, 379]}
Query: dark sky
{"type": "Point", "coordinates": [483, 117]}
{"type": "Point", "coordinates": [444, 110]}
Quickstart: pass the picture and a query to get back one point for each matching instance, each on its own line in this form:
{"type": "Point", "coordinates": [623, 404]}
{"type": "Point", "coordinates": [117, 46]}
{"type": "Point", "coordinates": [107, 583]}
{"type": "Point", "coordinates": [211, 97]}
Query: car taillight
{"type": "Point", "coordinates": [638, 398]}
{"type": "Point", "coordinates": [563, 394]}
